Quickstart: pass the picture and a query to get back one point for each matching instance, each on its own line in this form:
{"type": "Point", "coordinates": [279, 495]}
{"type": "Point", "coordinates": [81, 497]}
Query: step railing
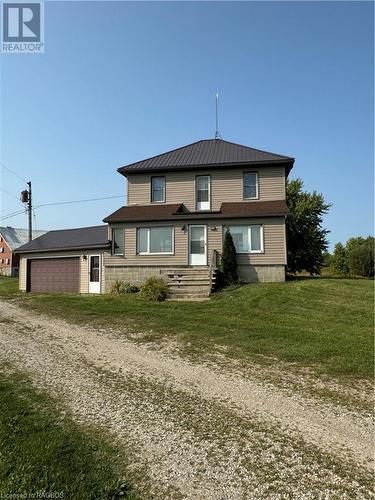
{"type": "Point", "coordinates": [214, 264]}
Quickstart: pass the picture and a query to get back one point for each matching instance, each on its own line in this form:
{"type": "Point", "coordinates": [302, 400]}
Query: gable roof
{"type": "Point", "coordinates": [207, 153]}
{"type": "Point", "coordinates": [168, 212]}
{"type": "Point", "coordinates": [15, 236]}
{"type": "Point", "coordinates": [69, 239]}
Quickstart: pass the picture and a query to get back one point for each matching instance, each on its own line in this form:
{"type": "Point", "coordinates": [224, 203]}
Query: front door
{"type": "Point", "coordinates": [197, 245]}
{"type": "Point", "coordinates": [94, 274]}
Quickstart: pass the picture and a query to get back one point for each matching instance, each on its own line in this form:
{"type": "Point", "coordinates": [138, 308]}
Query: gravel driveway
{"type": "Point", "coordinates": [194, 430]}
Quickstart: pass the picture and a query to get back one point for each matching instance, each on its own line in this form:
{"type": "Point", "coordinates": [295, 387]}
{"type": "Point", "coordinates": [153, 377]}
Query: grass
{"type": "Point", "coordinates": [322, 323]}
{"type": "Point", "coordinates": [42, 449]}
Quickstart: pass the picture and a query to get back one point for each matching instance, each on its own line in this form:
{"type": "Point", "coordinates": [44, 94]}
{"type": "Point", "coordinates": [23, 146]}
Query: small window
{"type": "Point", "coordinates": [158, 189]}
{"type": "Point", "coordinates": [247, 239]}
{"type": "Point", "coordinates": [1, 249]}
{"type": "Point", "coordinates": [117, 241]}
{"type": "Point", "coordinates": [7, 261]}
{"type": "Point", "coordinates": [250, 185]}
{"type": "Point", "coordinates": [155, 240]}
{"type": "Point", "coordinates": [202, 183]}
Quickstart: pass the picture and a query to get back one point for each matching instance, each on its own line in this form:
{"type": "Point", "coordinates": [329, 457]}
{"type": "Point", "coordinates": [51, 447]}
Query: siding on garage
{"type": "Point", "coordinates": [83, 267]}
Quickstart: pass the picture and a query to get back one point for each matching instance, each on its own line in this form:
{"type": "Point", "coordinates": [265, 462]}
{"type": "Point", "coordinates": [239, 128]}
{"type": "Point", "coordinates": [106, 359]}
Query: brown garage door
{"type": "Point", "coordinates": [54, 275]}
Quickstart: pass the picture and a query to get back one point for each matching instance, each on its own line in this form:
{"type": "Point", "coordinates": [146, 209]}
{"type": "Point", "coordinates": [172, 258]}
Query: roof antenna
{"type": "Point", "coordinates": [217, 134]}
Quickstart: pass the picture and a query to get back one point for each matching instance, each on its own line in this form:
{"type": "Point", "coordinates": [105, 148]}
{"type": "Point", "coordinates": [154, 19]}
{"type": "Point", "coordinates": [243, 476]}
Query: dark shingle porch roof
{"type": "Point", "coordinates": [207, 153]}
{"type": "Point", "coordinates": [243, 209]}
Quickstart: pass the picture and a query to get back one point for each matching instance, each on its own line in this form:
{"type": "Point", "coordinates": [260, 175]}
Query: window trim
{"type": "Point", "coordinates": [257, 185]}
{"type": "Point", "coordinates": [164, 191]}
{"type": "Point", "coordinates": [249, 226]}
{"type": "Point", "coordinates": [113, 241]}
{"type": "Point", "coordinates": [209, 193]}
{"type": "Point", "coordinates": [148, 228]}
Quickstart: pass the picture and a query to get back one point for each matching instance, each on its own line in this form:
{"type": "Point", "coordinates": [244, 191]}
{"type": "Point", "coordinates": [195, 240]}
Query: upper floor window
{"type": "Point", "coordinates": [157, 189]}
{"type": "Point", "coordinates": [151, 240]}
{"type": "Point", "coordinates": [247, 239]}
{"type": "Point", "coordinates": [202, 186]}
{"type": "Point", "coordinates": [118, 241]}
{"type": "Point", "coordinates": [250, 185]}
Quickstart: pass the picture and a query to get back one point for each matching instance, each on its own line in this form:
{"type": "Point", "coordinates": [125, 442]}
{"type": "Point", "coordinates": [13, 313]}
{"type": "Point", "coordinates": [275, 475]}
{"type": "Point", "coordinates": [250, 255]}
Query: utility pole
{"type": "Point", "coordinates": [29, 208]}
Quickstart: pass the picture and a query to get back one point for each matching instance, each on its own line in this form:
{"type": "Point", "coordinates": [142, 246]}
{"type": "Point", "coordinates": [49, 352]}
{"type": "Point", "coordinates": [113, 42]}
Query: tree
{"type": "Point", "coordinates": [339, 260]}
{"type": "Point", "coordinates": [306, 238]}
{"type": "Point", "coordinates": [228, 260]}
{"type": "Point", "coordinates": [361, 256]}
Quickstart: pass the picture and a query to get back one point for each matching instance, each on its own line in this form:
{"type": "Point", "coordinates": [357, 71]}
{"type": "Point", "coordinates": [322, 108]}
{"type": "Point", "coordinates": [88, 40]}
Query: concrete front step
{"type": "Point", "coordinates": [189, 289]}
{"type": "Point", "coordinates": [190, 295]}
{"type": "Point", "coordinates": [189, 281]}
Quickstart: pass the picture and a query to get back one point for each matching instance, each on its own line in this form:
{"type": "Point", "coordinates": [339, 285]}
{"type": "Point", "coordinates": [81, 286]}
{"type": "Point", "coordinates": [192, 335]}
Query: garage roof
{"type": "Point", "coordinates": [81, 238]}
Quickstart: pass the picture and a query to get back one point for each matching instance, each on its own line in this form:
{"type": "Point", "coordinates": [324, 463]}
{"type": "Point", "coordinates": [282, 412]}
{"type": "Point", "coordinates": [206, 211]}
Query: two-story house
{"type": "Point", "coordinates": [180, 204]}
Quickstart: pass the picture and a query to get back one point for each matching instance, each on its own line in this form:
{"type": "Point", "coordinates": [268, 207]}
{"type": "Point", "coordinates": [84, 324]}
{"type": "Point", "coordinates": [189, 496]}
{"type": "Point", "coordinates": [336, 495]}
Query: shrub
{"type": "Point", "coordinates": [228, 260]}
{"type": "Point", "coordinates": [154, 289]}
{"type": "Point", "coordinates": [119, 287]}
{"type": "Point", "coordinates": [361, 260]}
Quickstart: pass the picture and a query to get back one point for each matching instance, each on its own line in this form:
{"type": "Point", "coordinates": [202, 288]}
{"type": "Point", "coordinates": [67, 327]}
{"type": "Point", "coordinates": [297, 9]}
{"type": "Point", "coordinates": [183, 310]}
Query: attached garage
{"type": "Point", "coordinates": [69, 260]}
{"type": "Point", "coordinates": [54, 275]}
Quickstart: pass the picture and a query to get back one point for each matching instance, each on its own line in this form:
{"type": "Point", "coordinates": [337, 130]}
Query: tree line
{"type": "Point", "coordinates": [307, 241]}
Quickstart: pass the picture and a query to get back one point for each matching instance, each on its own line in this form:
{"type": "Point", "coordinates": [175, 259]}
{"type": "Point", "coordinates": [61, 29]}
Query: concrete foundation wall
{"type": "Point", "coordinates": [133, 274]}
{"type": "Point", "coordinates": [139, 274]}
{"type": "Point", "coordinates": [261, 274]}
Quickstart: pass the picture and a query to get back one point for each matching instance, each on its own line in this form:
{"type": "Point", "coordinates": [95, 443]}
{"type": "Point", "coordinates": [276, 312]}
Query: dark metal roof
{"type": "Point", "coordinates": [207, 153]}
{"type": "Point", "coordinates": [68, 239]}
{"type": "Point", "coordinates": [16, 237]}
{"type": "Point", "coordinates": [143, 213]}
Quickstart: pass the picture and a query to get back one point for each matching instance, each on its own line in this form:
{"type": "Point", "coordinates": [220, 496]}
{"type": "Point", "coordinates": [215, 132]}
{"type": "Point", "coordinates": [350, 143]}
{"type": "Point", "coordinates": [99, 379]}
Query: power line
{"type": "Point", "coordinates": [76, 201]}
{"type": "Point", "coordinates": [14, 173]}
{"type": "Point", "coordinates": [10, 194]}
{"type": "Point", "coordinates": [14, 214]}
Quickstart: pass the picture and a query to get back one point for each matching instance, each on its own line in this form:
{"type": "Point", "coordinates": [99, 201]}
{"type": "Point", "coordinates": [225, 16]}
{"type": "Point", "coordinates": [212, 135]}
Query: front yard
{"type": "Point", "coordinates": [262, 392]}
{"type": "Point", "coordinates": [322, 323]}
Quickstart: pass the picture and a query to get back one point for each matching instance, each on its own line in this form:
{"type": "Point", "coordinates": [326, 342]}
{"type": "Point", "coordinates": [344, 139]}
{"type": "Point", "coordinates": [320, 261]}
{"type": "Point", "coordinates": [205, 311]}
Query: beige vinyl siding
{"type": "Point", "coordinates": [84, 267]}
{"type": "Point", "coordinates": [226, 185]}
{"type": "Point", "coordinates": [273, 234]}
{"type": "Point", "coordinates": [22, 274]}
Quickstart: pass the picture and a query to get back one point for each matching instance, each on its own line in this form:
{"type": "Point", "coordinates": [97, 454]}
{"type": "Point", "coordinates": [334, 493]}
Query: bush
{"type": "Point", "coordinates": [361, 260]}
{"type": "Point", "coordinates": [154, 289]}
{"type": "Point", "coordinates": [228, 260]}
{"type": "Point", "coordinates": [119, 287]}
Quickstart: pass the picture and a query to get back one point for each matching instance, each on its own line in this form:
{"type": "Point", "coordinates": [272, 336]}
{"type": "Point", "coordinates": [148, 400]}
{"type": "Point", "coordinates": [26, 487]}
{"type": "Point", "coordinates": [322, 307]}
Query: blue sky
{"type": "Point", "coordinates": [119, 82]}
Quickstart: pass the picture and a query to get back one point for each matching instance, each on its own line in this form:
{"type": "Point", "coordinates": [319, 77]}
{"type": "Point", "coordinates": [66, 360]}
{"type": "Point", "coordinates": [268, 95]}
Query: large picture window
{"type": "Point", "coordinates": [157, 189]}
{"type": "Point", "coordinates": [247, 239]}
{"type": "Point", "coordinates": [250, 185]}
{"type": "Point", "coordinates": [155, 240]}
{"type": "Point", "coordinates": [118, 241]}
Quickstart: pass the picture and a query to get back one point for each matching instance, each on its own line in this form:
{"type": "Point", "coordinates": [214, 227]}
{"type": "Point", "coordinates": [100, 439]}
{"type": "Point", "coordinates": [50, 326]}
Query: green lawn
{"type": "Point", "coordinates": [322, 323]}
{"type": "Point", "coordinates": [42, 450]}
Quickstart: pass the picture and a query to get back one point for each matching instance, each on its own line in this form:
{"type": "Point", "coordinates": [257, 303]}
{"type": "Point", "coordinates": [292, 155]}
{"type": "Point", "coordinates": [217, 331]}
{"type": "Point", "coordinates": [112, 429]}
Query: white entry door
{"type": "Point", "coordinates": [94, 274]}
{"type": "Point", "coordinates": [197, 245]}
